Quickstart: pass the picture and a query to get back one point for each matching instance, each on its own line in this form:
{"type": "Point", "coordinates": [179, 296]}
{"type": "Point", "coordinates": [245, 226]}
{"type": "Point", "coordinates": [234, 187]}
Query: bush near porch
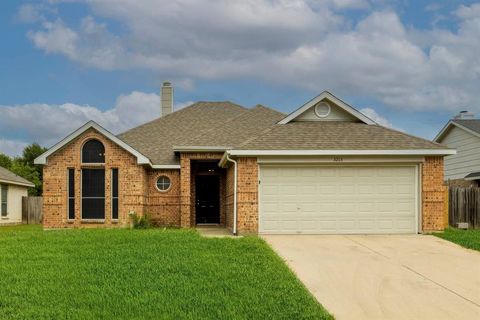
{"type": "Point", "coordinates": [145, 274]}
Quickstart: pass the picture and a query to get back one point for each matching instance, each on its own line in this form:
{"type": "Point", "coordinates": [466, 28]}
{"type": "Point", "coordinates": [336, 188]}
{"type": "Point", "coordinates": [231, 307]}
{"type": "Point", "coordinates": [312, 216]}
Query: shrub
{"type": "Point", "coordinates": [140, 222]}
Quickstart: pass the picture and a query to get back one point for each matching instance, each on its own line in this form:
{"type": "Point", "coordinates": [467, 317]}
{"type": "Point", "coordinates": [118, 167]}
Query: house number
{"type": "Point", "coordinates": [337, 159]}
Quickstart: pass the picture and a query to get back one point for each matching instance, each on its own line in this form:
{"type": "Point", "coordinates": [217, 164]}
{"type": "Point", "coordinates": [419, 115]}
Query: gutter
{"type": "Point", "coordinates": [30, 185]}
{"type": "Point", "coordinates": [234, 193]}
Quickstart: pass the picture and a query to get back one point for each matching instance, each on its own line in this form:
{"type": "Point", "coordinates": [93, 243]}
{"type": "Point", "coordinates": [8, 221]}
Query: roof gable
{"type": "Point", "coordinates": [338, 111]}
{"type": "Point", "coordinates": [470, 126]}
{"type": "Point", "coordinates": [42, 159]}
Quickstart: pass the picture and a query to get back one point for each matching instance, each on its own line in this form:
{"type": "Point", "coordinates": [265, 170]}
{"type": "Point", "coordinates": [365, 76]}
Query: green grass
{"type": "Point", "coordinates": [466, 238]}
{"type": "Point", "coordinates": [145, 274]}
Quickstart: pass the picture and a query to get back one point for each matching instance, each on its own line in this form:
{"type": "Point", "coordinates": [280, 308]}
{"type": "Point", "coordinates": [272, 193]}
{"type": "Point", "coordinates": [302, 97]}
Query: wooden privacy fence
{"type": "Point", "coordinates": [32, 210]}
{"type": "Point", "coordinates": [464, 206]}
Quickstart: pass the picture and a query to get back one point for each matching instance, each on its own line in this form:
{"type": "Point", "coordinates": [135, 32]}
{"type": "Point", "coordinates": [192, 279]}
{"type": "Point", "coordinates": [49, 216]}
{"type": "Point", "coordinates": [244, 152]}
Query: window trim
{"type": "Point", "coordinates": [92, 163]}
{"type": "Point", "coordinates": [4, 201]}
{"type": "Point", "coordinates": [90, 220]}
{"type": "Point", "coordinates": [112, 197]}
{"type": "Point", "coordinates": [68, 194]}
{"type": "Point", "coordinates": [169, 185]}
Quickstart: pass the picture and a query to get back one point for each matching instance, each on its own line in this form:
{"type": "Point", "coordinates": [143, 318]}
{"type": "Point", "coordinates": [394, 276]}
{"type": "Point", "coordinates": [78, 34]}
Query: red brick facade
{"type": "Point", "coordinates": [433, 194]}
{"type": "Point", "coordinates": [176, 206]}
{"type": "Point", "coordinates": [132, 184]}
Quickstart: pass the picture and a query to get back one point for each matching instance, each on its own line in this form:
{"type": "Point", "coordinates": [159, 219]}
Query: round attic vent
{"type": "Point", "coordinates": [322, 109]}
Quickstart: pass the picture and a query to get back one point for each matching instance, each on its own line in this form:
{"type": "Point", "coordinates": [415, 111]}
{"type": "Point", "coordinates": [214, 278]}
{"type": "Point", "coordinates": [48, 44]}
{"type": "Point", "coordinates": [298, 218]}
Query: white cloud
{"type": "Point", "coordinates": [12, 148]}
{"type": "Point", "coordinates": [372, 114]}
{"type": "Point", "coordinates": [57, 121]}
{"type": "Point", "coordinates": [301, 43]}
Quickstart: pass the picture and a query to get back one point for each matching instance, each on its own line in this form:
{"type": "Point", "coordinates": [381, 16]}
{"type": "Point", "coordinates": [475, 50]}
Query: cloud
{"type": "Point", "coordinates": [12, 148]}
{"type": "Point", "coordinates": [57, 121]}
{"type": "Point", "coordinates": [301, 43]}
{"type": "Point", "coordinates": [372, 114]}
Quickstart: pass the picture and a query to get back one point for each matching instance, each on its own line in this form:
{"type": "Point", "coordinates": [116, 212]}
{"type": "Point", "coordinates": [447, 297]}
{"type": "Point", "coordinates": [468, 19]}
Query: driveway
{"type": "Point", "coordinates": [385, 277]}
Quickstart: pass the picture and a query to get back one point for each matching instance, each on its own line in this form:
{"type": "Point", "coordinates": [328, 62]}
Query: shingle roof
{"type": "Point", "coordinates": [236, 131]}
{"type": "Point", "coordinates": [472, 124]}
{"type": "Point", "coordinates": [8, 176]}
{"type": "Point", "coordinates": [156, 139]}
{"type": "Point", "coordinates": [335, 136]}
{"type": "Point", "coordinates": [225, 124]}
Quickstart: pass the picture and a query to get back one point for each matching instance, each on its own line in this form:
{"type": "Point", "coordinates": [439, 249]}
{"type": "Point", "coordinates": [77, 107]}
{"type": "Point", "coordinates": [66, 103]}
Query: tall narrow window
{"type": "Point", "coordinates": [93, 194]}
{"type": "Point", "coordinates": [4, 195]}
{"type": "Point", "coordinates": [93, 151]}
{"type": "Point", "coordinates": [71, 194]}
{"type": "Point", "coordinates": [114, 194]}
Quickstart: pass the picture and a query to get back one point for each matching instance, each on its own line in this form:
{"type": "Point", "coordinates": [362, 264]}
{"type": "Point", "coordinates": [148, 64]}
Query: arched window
{"type": "Point", "coordinates": [93, 152]}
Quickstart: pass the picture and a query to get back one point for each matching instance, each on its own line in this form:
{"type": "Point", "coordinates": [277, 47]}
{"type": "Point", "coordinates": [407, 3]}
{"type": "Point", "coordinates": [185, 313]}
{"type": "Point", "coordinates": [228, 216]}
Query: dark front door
{"type": "Point", "coordinates": [207, 199]}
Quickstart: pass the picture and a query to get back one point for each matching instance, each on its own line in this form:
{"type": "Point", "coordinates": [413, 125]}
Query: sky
{"type": "Point", "coordinates": [410, 65]}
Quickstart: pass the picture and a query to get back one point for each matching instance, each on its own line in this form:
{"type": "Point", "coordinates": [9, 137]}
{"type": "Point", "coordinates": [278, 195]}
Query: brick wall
{"type": "Point", "coordinates": [132, 183]}
{"type": "Point", "coordinates": [164, 206]}
{"type": "Point", "coordinates": [247, 195]}
{"type": "Point", "coordinates": [229, 182]}
{"type": "Point", "coordinates": [433, 194]}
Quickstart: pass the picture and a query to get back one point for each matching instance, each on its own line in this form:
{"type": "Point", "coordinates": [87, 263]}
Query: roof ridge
{"type": "Point", "coordinates": [257, 135]}
{"type": "Point", "coordinates": [268, 108]}
{"type": "Point", "coordinates": [160, 118]}
{"type": "Point", "coordinates": [182, 110]}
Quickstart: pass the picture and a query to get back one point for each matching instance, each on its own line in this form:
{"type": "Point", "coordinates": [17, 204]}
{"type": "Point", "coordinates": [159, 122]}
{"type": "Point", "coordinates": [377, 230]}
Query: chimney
{"type": "Point", "coordinates": [166, 98]}
{"type": "Point", "coordinates": [464, 115]}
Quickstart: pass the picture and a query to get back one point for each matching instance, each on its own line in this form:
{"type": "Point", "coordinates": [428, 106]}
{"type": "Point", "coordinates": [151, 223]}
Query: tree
{"type": "Point", "coordinates": [28, 172]}
{"type": "Point", "coordinates": [5, 161]}
{"type": "Point", "coordinates": [31, 152]}
{"type": "Point", "coordinates": [25, 168]}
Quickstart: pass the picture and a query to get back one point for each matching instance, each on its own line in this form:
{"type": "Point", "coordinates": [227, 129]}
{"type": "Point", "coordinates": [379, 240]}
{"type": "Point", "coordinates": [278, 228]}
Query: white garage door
{"type": "Point", "coordinates": [337, 199]}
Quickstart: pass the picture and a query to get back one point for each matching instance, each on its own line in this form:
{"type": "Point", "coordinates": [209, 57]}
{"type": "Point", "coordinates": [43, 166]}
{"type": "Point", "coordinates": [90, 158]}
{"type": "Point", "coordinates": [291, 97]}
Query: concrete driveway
{"type": "Point", "coordinates": [385, 277]}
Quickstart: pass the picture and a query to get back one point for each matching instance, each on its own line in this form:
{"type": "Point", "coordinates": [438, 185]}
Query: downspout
{"type": "Point", "coordinates": [234, 194]}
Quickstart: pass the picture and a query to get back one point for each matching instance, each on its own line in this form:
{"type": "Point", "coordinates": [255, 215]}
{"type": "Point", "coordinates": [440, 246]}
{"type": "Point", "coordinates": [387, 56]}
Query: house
{"type": "Point", "coordinates": [12, 189]}
{"type": "Point", "coordinates": [462, 133]}
{"type": "Point", "coordinates": [324, 168]}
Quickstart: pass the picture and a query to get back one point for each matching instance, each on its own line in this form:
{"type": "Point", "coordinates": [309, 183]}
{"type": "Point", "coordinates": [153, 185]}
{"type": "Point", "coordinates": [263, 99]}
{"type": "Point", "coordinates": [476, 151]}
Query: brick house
{"type": "Point", "coordinates": [324, 168]}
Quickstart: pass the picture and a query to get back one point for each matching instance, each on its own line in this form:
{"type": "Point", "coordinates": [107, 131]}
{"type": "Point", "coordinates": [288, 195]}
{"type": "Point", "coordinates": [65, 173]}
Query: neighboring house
{"type": "Point", "coordinates": [324, 168]}
{"type": "Point", "coordinates": [12, 189]}
{"type": "Point", "coordinates": [463, 134]}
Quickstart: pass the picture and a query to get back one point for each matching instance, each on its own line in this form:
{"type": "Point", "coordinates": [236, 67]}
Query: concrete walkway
{"type": "Point", "coordinates": [386, 277]}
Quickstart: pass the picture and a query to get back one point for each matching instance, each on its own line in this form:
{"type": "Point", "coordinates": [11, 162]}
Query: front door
{"type": "Point", "coordinates": [207, 196]}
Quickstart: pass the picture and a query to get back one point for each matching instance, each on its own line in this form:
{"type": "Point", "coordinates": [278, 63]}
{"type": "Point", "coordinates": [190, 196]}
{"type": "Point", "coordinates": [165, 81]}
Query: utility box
{"type": "Point", "coordinates": [462, 225]}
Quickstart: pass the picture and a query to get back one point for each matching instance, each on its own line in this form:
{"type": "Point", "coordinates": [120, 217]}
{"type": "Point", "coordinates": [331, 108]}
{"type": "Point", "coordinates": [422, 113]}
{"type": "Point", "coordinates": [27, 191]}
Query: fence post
{"type": "Point", "coordinates": [445, 208]}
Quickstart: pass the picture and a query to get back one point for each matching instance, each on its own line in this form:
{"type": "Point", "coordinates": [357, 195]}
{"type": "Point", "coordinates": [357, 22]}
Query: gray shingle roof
{"type": "Point", "coordinates": [10, 177]}
{"type": "Point", "coordinates": [336, 136]}
{"type": "Point", "coordinates": [472, 124]}
{"type": "Point", "coordinates": [157, 138]}
{"type": "Point", "coordinates": [225, 124]}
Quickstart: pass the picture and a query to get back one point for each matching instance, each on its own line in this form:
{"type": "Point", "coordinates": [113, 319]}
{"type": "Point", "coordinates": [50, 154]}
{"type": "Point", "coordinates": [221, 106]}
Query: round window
{"type": "Point", "coordinates": [322, 109]}
{"type": "Point", "coordinates": [163, 183]}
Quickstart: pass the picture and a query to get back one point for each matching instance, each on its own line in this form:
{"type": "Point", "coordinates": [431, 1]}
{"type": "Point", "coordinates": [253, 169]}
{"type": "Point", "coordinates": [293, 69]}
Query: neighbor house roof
{"type": "Point", "coordinates": [8, 177]}
{"type": "Point", "coordinates": [469, 125]}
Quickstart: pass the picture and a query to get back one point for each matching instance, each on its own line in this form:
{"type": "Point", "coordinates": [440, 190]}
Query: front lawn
{"type": "Point", "coordinates": [145, 274]}
{"type": "Point", "coordinates": [466, 238]}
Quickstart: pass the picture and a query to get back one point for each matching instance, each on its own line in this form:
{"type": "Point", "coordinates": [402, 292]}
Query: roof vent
{"type": "Point", "coordinates": [464, 115]}
{"type": "Point", "coordinates": [166, 98]}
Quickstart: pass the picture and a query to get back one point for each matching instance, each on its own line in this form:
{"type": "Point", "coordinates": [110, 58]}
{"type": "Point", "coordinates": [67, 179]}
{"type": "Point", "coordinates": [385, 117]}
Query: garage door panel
{"type": "Point", "coordinates": [355, 199]}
